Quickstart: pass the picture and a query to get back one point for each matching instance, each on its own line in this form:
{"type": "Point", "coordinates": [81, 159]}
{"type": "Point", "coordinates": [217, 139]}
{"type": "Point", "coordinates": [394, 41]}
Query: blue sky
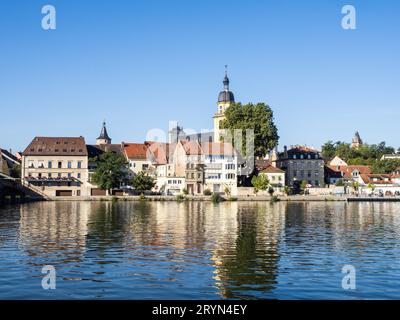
{"type": "Point", "coordinates": [139, 64]}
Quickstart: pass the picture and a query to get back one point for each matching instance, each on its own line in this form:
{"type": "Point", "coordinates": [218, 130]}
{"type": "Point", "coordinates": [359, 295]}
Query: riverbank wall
{"type": "Point", "coordinates": [200, 198]}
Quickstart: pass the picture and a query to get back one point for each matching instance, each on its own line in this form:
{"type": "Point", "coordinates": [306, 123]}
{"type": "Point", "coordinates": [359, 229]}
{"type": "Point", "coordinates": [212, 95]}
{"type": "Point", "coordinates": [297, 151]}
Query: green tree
{"type": "Point", "coordinates": [371, 187]}
{"type": "Point", "coordinates": [258, 117]}
{"type": "Point", "coordinates": [385, 166]}
{"type": "Point", "coordinates": [339, 183]}
{"type": "Point", "coordinates": [260, 182]}
{"type": "Point", "coordinates": [328, 150]}
{"type": "Point", "coordinates": [286, 190]}
{"type": "Point", "coordinates": [365, 155]}
{"type": "Point", "coordinates": [356, 186]}
{"type": "Point", "coordinates": [15, 171]}
{"type": "Point", "coordinates": [271, 191]}
{"type": "Point", "coordinates": [111, 171]}
{"type": "Point", "coordinates": [142, 182]}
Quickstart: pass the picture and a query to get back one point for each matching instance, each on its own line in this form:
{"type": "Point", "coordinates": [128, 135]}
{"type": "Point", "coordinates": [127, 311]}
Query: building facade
{"type": "Point", "coordinates": [276, 176]}
{"type": "Point", "coordinates": [220, 167]}
{"type": "Point", "coordinates": [302, 163]}
{"type": "Point", "coordinates": [139, 158]}
{"type": "Point", "coordinates": [56, 166]}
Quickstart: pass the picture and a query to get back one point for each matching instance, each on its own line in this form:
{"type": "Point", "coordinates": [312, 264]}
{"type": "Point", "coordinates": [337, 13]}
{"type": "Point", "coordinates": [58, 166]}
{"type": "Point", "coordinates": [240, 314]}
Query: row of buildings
{"type": "Point", "coordinates": [63, 166]}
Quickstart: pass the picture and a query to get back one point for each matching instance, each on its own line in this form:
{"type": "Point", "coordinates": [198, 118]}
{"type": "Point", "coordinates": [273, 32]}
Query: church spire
{"type": "Point", "coordinates": [103, 137]}
{"type": "Point", "coordinates": [226, 79]}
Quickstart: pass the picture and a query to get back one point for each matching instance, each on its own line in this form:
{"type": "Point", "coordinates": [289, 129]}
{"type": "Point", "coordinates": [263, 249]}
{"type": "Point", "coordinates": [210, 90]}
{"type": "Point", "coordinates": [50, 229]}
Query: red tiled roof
{"type": "Point", "coordinates": [135, 150]}
{"type": "Point", "coordinates": [192, 147]}
{"type": "Point", "coordinates": [382, 178]}
{"type": "Point", "coordinates": [348, 170]}
{"type": "Point", "coordinates": [160, 151]}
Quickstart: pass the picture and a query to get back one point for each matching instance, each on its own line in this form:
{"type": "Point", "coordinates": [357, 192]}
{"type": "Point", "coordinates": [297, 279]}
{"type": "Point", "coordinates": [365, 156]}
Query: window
{"type": "Point", "coordinates": [79, 164]}
{"type": "Point", "coordinates": [59, 164]}
{"type": "Point", "coordinates": [50, 164]}
{"type": "Point", "coordinates": [59, 175]}
{"type": "Point", "coordinates": [69, 175]}
{"type": "Point", "coordinates": [69, 164]}
{"type": "Point", "coordinates": [49, 175]}
{"type": "Point", "coordinates": [79, 175]}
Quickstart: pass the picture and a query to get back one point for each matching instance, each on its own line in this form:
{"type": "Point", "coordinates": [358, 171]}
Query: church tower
{"type": "Point", "coordinates": [356, 142]}
{"type": "Point", "coordinates": [103, 137]}
{"type": "Point", "coordinates": [225, 99]}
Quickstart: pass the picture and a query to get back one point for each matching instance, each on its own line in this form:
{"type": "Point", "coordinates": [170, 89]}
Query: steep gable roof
{"type": "Point", "coordinates": [135, 150]}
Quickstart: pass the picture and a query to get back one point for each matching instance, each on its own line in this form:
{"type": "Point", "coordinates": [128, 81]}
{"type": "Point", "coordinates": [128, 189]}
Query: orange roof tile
{"type": "Point", "coordinates": [135, 150]}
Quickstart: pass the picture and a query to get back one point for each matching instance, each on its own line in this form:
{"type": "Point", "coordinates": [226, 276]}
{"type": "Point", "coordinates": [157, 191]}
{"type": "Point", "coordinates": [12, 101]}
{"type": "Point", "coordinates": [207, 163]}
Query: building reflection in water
{"type": "Point", "coordinates": [54, 231]}
{"type": "Point", "coordinates": [230, 250]}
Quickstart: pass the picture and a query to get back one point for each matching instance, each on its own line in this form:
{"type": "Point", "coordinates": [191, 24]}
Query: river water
{"type": "Point", "coordinates": [200, 250]}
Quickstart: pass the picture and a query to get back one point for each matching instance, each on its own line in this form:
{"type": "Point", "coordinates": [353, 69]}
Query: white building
{"type": "Point", "coordinates": [276, 176]}
{"type": "Point", "coordinates": [221, 167]}
{"type": "Point", "coordinates": [138, 157]}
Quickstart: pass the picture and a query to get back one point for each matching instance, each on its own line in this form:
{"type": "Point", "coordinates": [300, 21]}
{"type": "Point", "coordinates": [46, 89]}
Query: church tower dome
{"type": "Point", "coordinates": [225, 100]}
{"type": "Point", "coordinates": [226, 96]}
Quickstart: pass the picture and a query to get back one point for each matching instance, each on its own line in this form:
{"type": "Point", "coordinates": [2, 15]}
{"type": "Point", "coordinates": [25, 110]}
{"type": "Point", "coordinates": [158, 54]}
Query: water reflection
{"type": "Point", "coordinates": [201, 250]}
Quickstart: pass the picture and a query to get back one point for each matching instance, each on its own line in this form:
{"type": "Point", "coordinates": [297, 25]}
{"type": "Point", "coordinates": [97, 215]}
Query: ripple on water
{"type": "Point", "coordinates": [199, 250]}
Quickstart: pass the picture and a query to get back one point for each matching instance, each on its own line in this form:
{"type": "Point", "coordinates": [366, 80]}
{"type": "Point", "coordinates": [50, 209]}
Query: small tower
{"type": "Point", "coordinates": [225, 99]}
{"type": "Point", "coordinates": [356, 142]}
{"type": "Point", "coordinates": [103, 138]}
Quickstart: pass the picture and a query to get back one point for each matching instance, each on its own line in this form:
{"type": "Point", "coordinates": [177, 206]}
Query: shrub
{"type": "Point", "coordinates": [216, 198]}
{"type": "Point", "coordinates": [180, 198]}
{"type": "Point", "coordinates": [275, 199]}
{"type": "Point", "coordinates": [232, 199]}
{"type": "Point", "coordinates": [142, 197]}
{"type": "Point", "coordinates": [207, 192]}
{"type": "Point", "coordinates": [271, 191]}
{"type": "Point", "coordinates": [185, 191]}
